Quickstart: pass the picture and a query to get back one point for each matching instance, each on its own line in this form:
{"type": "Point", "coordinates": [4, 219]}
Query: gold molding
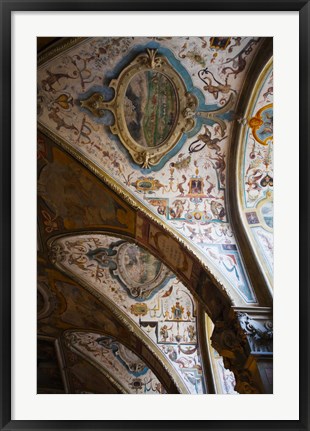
{"type": "Point", "coordinates": [267, 199]}
{"type": "Point", "coordinates": [186, 105]}
{"type": "Point", "coordinates": [58, 48]}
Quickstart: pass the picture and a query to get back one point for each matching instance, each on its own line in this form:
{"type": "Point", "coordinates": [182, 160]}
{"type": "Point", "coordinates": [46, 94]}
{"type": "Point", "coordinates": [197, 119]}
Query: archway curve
{"type": "Point", "coordinates": [67, 295]}
{"type": "Point", "coordinates": [203, 270]}
{"type": "Point", "coordinates": [64, 261]}
{"type": "Point", "coordinates": [106, 369]}
{"type": "Point", "coordinates": [66, 254]}
{"type": "Point", "coordinates": [207, 295]}
{"type": "Point", "coordinates": [255, 272]}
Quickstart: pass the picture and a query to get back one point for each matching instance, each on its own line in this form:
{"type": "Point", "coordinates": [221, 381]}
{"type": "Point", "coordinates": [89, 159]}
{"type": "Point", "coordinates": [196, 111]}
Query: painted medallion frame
{"type": "Point", "coordinates": [146, 152]}
{"type": "Point", "coordinates": [7, 8]}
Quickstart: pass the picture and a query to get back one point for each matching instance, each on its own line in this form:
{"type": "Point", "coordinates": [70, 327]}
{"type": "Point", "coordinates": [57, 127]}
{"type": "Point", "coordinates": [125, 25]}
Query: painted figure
{"type": "Point", "coordinates": [164, 332]}
{"type": "Point", "coordinates": [177, 311]}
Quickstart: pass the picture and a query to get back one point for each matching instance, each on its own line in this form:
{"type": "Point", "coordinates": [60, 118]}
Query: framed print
{"type": "Point", "coordinates": [140, 154]}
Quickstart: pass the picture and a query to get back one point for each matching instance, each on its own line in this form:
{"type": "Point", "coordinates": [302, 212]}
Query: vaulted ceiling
{"type": "Point", "coordinates": [154, 206]}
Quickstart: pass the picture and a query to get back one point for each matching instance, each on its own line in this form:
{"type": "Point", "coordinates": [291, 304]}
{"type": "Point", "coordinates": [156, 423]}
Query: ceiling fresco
{"type": "Point", "coordinates": [79, 203]}
{"type": "Point", "coordinates": [155, 115]}
{"type": "Point", "coordinates": [160, 308]}
{"type": "Point", "coordinates": [256, 190]}
{"type": "Point", "coordinates": [70, 197]}
{"type": "Point", "coordinates": [70, 308]}
{"type": "Point", "coordinates": [140, 275]}
{"type": "Point", "coordinates": [125, 370]}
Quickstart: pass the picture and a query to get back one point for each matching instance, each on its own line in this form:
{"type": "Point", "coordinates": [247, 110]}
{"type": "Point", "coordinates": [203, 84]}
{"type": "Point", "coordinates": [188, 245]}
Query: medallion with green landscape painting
{"type": "Point", "coordinates": [150, 108]}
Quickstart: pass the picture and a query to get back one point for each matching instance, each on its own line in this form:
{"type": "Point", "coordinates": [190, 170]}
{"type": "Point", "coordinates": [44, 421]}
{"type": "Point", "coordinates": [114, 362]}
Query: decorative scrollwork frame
{"type": "Point", "coordinates": [186, 105]}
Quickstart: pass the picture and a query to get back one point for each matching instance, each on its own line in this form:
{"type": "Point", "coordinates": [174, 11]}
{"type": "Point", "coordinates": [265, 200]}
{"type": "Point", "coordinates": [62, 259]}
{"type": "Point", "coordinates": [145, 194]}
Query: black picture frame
{"type": "Point", "coordinates": [7, 7]}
